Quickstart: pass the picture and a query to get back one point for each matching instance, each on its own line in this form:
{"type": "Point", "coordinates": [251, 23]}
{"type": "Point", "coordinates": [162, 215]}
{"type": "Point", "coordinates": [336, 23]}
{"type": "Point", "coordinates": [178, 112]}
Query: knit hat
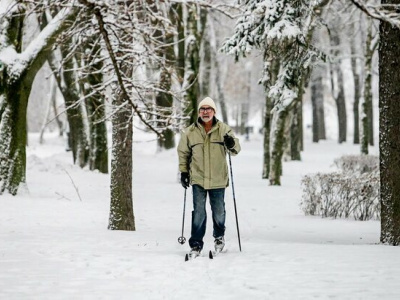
{"type": "Point", "coordinates": [208, 101]}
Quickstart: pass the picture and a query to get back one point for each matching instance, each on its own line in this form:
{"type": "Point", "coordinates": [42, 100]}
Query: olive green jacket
{"type": "Point", "coordinates": [203, 155]}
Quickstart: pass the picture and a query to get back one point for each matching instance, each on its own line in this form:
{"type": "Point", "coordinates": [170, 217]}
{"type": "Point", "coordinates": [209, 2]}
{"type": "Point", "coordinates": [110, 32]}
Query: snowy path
{"type": "Point", "coordinates": [53, 246]}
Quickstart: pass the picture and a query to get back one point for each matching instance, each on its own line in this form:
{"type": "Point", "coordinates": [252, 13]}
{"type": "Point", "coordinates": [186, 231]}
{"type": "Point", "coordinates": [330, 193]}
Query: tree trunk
{"type": "Point", "coordinates": [317, 102]}
{"type": "Point", "coordinates": [121, 206]}
{"type": "Point", "coordinates": [192, 64]}
{"type": "Point", "coordinates": [67, 83]}
{"type": "Point", "coordinates": [206, 68]}
{"type": "Point", "coordinates": [13, 134]}
{"type": "Point", "coordinates": [278, 142]}
{"type": "Point", "coordinates": [52, 99]}
{"type": "Point", "coordinates": [78, 134]}
{"type": "Point", "coordinates": [177, 18]}
{"type": "Point", "coordinates": [218, 76]}
{"type": "Point", "coordinates": [95, 106]}
{"type": "Point", "coordinates": [296, 125]}
{"type": "Point", "coordinates": [273, 74]}
{"type": "Point", "coordinates": [163, 99]}
{"type": "Point", "coordinates": [357, 93]}
{"type": "Point", "coordinates": [389, 130]}
{"type": "Point", "coordinates": [367, 101]}
{"type": "Point", "coordinates": [295, 129]}
{"type": "Point", "coordinates": [314, 126]}
{"type": "Point", "coordinates": [220, 92]}
{"type": "Point", "coordinates": [341, 108]}
{"type": "Point", "coordinates": [373, 47]}
{"type": "Point", "coordinates": [338, 89]}
{"type": "Point", "coordinates": [267, 132]}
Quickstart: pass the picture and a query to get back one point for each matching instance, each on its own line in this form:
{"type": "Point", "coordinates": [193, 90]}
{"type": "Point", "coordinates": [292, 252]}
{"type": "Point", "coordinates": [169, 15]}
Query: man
{"type": "Point", "coordinates": [202, 162]}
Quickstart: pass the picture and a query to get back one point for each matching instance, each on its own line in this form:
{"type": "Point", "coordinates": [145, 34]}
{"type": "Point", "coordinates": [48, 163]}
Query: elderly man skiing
{"type": "Point", "coordinates": [202, 162]}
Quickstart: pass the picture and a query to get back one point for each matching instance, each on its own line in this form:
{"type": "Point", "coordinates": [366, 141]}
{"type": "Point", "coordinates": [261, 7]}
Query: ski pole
{"type": "Point", "coordinates": [234, 200]}
{"type": "Point", "coordinates": [182, 239]}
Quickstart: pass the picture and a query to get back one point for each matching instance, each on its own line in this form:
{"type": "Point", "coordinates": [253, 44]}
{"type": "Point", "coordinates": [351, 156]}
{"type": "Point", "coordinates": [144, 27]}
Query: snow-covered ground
{"type": "Point", "coordinates": [55, 245]}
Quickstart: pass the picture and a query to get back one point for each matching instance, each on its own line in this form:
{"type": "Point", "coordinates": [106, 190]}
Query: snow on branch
{"type": "Point", "coordinates": [281, 29]}
{"type": "Point", "coordinates": [133, 51]}
{"type": "Point", "coordinates": [389, 13]}
{"type": "Point", "coordinates": [16, 63]}
{"type": "Point", "coordinates": [229, 10]}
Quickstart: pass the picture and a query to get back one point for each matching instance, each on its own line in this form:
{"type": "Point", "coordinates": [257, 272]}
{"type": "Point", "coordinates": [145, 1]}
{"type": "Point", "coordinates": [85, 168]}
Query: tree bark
{"type": "Point", "coordinates": [121, 205]}
{"type": "Point", "coordinates": [278, 141]}
{"type": "Point", "coordinates": [389, 130]}
{"type": "Point", "coordinates": [296, 129]}
{"type": "Point", "coordinates": [267, 132]}
{"type": "Point", "coordinates": [273, 73]}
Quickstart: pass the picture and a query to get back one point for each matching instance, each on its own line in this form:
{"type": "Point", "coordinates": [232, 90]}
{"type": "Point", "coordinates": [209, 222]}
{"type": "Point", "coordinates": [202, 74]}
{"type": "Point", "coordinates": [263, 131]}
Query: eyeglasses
{"type": "Point", "coordinates": [207, 109]}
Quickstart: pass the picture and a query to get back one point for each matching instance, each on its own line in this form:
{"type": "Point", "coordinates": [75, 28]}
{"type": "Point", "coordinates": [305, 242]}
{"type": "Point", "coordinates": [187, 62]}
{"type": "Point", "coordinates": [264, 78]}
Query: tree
{"type": "Point", "coordinates": [165, 36]}
{"type": "Point", "coordinates": [282, 29]}
{"type": "Point", "coordinates": [317, 103]}
{"type": "Point", "coordinates": [367, 117]}
{"type": "Point", "coordinates": [389, 128]}
{"type": "Point", "coordinates": [91, 76]}
{"type": "Point", "coordinates": [191, 85]}
{"type": "Point", "coordinates": [355, 62]}
{"type": "Point", "coordinates": [18, 69]}
{"type": "Point", "coordinates": [337, 85]}
{"type": "Point", "coordinates": [128, 50]}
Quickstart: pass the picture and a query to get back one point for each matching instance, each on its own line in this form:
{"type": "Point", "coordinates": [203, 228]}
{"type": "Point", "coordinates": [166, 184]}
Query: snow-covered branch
{"type": "Point", "coordinates": [281, 29]}
{"type": "Point", "coordinates": [230, 10]}
{"type": "Point", "coordinates": [389, 13]}
{"type": "Point", "coordinates": [131, 42]}
{"type": "Point", "coordinates": [17, 63]}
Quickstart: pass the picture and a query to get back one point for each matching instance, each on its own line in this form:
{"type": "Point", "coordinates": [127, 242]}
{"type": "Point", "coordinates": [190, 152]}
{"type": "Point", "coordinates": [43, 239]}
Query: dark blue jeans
{"type": "Point", "coordinates": [199, 214]}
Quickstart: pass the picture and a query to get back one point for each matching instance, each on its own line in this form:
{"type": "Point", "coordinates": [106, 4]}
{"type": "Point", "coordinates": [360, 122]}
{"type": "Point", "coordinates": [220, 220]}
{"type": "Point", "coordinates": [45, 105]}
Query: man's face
{"type": "Point", "coordinates": [206, 113]}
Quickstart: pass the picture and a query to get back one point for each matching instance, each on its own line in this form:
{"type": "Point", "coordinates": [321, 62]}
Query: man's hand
{"type": "Point", "coordinates": [185, 180]}
{"type": "Point", "coordinates": [229, 141]}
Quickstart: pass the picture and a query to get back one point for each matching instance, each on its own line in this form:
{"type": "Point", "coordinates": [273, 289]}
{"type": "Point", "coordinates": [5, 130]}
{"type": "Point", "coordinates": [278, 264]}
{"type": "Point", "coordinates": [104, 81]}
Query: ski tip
{"type": "Point", "coordinates": [186, 257]}
{"type": "Point", "coordinates": [210, 255]}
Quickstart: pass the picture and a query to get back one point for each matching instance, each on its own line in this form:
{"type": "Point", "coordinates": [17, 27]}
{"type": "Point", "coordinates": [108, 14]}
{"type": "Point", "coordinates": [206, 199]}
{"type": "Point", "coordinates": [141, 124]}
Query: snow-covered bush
{"type": "Point", "coordinates": [353, 192]}
{"type": "Point", "coordinates": [357, 163]}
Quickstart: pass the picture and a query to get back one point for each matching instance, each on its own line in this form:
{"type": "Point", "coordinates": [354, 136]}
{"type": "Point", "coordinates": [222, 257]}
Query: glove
{"type": "Point", "coordinates": [229, 141]}
{"type": "Point", "coordinates": [185, 180]}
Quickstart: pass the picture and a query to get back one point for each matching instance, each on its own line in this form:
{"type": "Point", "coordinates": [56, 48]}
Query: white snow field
{"type": "Point", "coordinates": [55, 245]}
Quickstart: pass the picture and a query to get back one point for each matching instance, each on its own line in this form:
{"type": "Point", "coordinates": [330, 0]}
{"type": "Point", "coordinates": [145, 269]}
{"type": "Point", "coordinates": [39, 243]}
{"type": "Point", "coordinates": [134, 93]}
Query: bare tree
{"type": "Point", "coordinates": [127, 48]}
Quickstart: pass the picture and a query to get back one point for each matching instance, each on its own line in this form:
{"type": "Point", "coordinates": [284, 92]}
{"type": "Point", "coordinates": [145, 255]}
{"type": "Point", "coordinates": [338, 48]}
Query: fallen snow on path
{"type": "Point", "coordinates": [55, 246]}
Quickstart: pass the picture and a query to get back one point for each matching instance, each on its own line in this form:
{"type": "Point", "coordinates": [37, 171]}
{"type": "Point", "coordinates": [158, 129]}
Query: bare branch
{"type": "Point", "coordinates": [387, 13]}
{"type": "Point", "coordinates": [119, 75]}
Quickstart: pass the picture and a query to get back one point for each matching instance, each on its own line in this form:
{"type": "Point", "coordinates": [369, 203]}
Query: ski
{"type": "Point", "coordinates": [191, 256]}
{"type": "Point", "coordinates": [215, 253]}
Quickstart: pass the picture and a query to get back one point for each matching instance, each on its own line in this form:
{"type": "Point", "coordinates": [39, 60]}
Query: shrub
{"type": "Point", "coordinates": [353, 192]}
